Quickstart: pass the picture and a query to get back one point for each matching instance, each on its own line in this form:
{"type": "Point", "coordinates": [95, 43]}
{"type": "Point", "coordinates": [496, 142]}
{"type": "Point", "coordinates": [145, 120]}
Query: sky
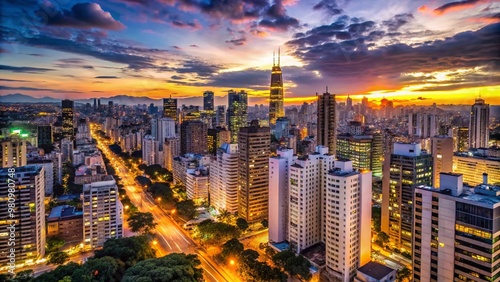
{"type": "Point", "coordinates": [409, 51]}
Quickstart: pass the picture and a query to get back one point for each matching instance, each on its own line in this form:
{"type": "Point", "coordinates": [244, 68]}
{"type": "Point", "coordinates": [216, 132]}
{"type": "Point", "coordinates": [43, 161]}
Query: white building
{"type": "Point", "coordinates": [49, 174]}
{"type": "Point", "coordinates": [224, 179]}
{"type": "Point", "coordinates": [13, 152]}
{"type": "Point", "coordinates": [151, 151]}
{"type": "Point", "coordinates": [278, 194]}
{"type": "Point", "coordinates": [347, 213]}
{"type": "Point", "coordinates": [102, 212]}
{"type": "Point", "coordinates": [162, 128]}
{"type": "Point", "coordinates": [479, 132]}
{"type": "Point", "coordinates": [197, 185]}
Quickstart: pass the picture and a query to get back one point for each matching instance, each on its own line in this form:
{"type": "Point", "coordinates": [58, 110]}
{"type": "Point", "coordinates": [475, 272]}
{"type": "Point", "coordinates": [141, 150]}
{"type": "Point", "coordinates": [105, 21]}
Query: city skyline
{"type": "Point", "coordinates": [416, 52]}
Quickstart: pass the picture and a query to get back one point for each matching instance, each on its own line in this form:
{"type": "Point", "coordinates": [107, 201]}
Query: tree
{"type": "Point", "coordinates": [173, 267]}
{"type": "Point", "coordinates": [298, 265]}
{"type": "Point", "coordinates": [281, 258]}
{"type": "Point", "coordinates": [53, 244]}
{"type": "Point", "coordinates": [58, 258]}
{"type": "Point", "coordinates": [66, 279]}
{"type": "Point", "coordinates": [224, 216]}
{"type": "Point", "coordinates": [59, 273]}
{"type": "Point", "coordinates": [232, 247]}
{"type": "Point", "coordinates": [265, 223]}
{"type": "Point", "coordinates": [382, 239]}
{"type": "Point", "coordinates": [376, 217]}
{"type": "Point", "coordinates": [216, 232]}
{"type": "Point", "coordinates": [129, 250]}
{"type": "Point", "coordinates": [403, 274]}
{"type": "Point", "coordinates": [242, 224]}
{"type": "Point", "coordinates": [141, 222]}
{"type": "Point", "coordinates": [24, 276]}
{"type": "Point", "coordinates": [105, 269]}
{"type": "Point", "coordinates": [142, 166]}
{"type": "Point", "coordinates": [186, 209]}
{"type": "Point", "coordinates": [254, 270]}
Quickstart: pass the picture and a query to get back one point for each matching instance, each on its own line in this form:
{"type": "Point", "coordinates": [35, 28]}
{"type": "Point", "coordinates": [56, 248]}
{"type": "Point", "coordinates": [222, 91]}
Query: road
{"type": "Point", "coordinates": [39, 269]}
{"type": "Point", "coordinates": [171, 238]}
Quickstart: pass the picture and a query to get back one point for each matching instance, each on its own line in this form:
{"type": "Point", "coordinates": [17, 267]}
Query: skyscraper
{"type": "Point", "coordinates": [170, 108]}
{"type": "Point", "coordinates": [365, 151]}
{"type": "Point", "coordinates": [102, 212]}
{"type": "Point", "coordinates": [27, 239]}
{"type": "Point", "coordinates": [216, 137]}
{"type": "Point", "coordinates": [208, 101]}
{"type": "Point", "coordinates": [442, 156]}
{"type": "Point", "coordinates": [220, 116]}
{"type": "Point", "coordinates": [194, 137]}
{"type": "Point", "coordinates": [223, 179]}
{"type": "Point", "coordinates": [68, 124]}
{"type": "Point", "coordinates": [276, 95]}
{"type": "Point", "coordinates": [44, 135]}
{"type": "Point", "coordinates": [254, 143]}
{"type": "Point", "coordinates": [237, 112]}
{"type": "Point", "coordinates": [327, 125]}
{"type": "Point", "coordinates": [478, 125]}
{"type": "Point", "coordinates": [407, 167]}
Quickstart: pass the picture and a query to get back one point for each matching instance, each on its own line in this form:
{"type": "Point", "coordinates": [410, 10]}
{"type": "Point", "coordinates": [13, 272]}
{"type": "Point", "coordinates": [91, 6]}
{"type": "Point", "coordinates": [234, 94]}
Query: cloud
{"type": "Point", "coordinates": [182, 24]}
{"type": "Point", "coordinates": [13, 80]}
{"type": "Point", "coordinates": [398, 21]}
{"type": "Point", "coordinates": [331, 7]}
{"type": "Point", "coordinates": [456, 6]}
{"type": "Point", "coordinates": [81, 15]}
{"type": "Point", "coordinates": [107, 76]}
{"type": "Point", "coordinates": [194, 46]}
{"type": "Point", "coordinates": [72, 63]}
{"type": "Point", "coordinates": [24, 69]}
{"type": "Point", "coordinates": [237, 41]}
{"type": "Point", "coordinates": [37, 89]}
{"type": "Point", "coordinates": [202, 69]}
{"type": "Point", "coordinates": [276, 18]}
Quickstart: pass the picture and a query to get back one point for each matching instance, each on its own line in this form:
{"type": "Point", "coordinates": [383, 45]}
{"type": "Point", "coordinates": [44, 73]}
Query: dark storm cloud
{"type": "Point", "coordinates": [331, 7]}
{"type": "Point", "coordinates": [352, 58]}
{"type": "Point", "coordinates": [81, 15]}
{"type": "Point", "coordinates": [237, 41]}
{"type": "Point", "coordinates": [23, 69]}
{"type": "Point", "coordinates": [456, 5]}
{"type": "Point", "coordinates": [202, 69]}
{"type": "Point", "coordinates": [398, 21]}
{"type": "Point", "coordinates": [276, 18]}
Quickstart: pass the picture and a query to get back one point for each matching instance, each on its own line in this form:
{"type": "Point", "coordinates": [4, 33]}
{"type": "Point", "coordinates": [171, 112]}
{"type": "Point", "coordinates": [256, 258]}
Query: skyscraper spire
{"type": "Point", "coordinates": [276, 94]}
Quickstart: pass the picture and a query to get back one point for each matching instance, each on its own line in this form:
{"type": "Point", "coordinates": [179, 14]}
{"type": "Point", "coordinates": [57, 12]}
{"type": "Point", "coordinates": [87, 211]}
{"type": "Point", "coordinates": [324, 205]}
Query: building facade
{"type": "Point", "coordinates": [194, 137]}
{"type": "Point", "coordinates": [276, 96]}
{"type": "Point", "coordinates": [442, 157]}
{"type": "Point", "coordinates": [13, 152]}
{"type": "Point", "coordinates": [68, 123]}
{"type": "Point", "coordinates": [327, 122]}
{"type": "Point", "coordinates": [479, 132]}
{"type": "Point", "coordinates": [237, 112]}
{"type": "Point", "coordinates": [224, 179]}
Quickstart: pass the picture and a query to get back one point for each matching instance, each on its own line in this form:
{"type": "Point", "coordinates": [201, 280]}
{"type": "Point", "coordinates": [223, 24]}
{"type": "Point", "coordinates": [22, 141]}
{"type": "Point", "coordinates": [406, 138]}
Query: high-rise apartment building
{"type": "Point", "coordinates": [422, 125]}
{"type": "Point", "coordinates": [27, 237]}
{"type": "Point", "coordinates": [279, 182]}
{"type": "Point", "coordinates": [472, 168]}
{"type": "Point", "coordinates": [194, 137]}
{"type": "Point", "coordinates": [220, 116]}
{"type": "Point", "coordinates": [347, 220]}
{"type": "Point", "coordinates": [479, 132]}
{"type": "Point", "coordinates": [44, 135]}
{"type": "Point", "coordinates": [442, 156]}
{"type": "Point", "coordinates": [407, 167]}
{"type": "Point", "coordinates": [68, 123]}
{"type": "Point", "coordinates": [162, 128]}
{"type": "Point", "coordinates": [171, 149]}
{"type": "Point", "coordinates": [13, 152]}
{"type": "Point", "coordinates": [170, 109]}
{"type": "Point", "coordinates": [327, 122]}
{"type": "Point", "coordinates": [216, 137]}
{"type": "Point", "coordinates": [208, 101]}
{"type": "Point", "coordinates": [365, 151]}
{"type": "Point", "coordinates": [150, 151]}
{"type": "Point", "coordinates": [223, 179]}
{"type": "Point", "coordinates": [237, 112]}
{"type": "Point", "coordinates": [197, 185]}
{"type": "Point", "coordinates": [276, 96]}
{"type": "Point", "coordinates": [102, 213]}
{"type": "Point", "coordinates": [253, 164]}
{"type": "Point", "coordinates": [460, 139]}
{"type": "Point", "coordinates": [281, 128]}
{"type": "Point", "coordinates": [456, 231]}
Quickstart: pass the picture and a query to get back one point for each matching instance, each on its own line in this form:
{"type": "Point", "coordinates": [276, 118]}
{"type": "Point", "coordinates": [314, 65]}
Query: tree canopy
{"type": "Point", "coordinates": [142, 222]}
{"type": "Point", "coordinates": [58, 258]}
{"type": "Point", "coordinates": [216, 232]}
{"type": "Point", "coordinates": [232, 247]}
{"type": "Point", "coordinates": [129, 250]}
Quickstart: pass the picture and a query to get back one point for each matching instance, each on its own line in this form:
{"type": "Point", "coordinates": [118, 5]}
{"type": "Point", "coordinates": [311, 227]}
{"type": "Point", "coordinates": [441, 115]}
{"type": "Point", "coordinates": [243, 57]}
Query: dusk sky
{"type": "Point", "coordinates": [410, 51]}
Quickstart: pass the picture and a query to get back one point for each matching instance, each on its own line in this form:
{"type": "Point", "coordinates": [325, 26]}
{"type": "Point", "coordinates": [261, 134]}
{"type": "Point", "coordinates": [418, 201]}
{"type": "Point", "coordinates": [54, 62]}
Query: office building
{"type": "Point", "coordinates": [460, 139]}
{"type": "Point", "coordinates": [347, 220]}
{"type": "Point", "coordinates": [68, 123]}
{"type": "Point", "coordinates": [44, 135]}
{"type": "Point", "coordinates": [407, 167]}
{"type": "Point", "coordinates": [13, 152]}
{"type": "Point", "coordinates": [28, 216]}
{"type": "Point", "coordinates": [151, 151]}
{"type": "Point", "coordinates": [223, 179]}
{"type": "Point", "coordinates": [171, 149]}
{"type": "Point", "coordinates": [216, 137]}
{"type": "Point", "coordinates": [327, 122]}
{"type": "Point", "coordinates": [365, 151]}
{"type": "Point", "coordinates": [276, 94]}
{"type": "Point", "coordinates": [442, 156]}
{"type": "Point", "coordinates": [237, 112]}
{"type": "Point", "coordinates": [102, 213]}
{"type": "Point", "coordinates": [456, 231]}
{"type": "Point", "coordinates": [66, 222]}
{"type": "Point", "coordinates": [208, 101]}
{"type": "Point", "coordinates": [170, 109]}
{"type": "Point", "coordinates": [279, 167]}
{"type": "Point", "coordinates": [254, 150]}
{"type": "Point", "coordinates": [194, 137]}
{"type": "Point", "coordinates": [479, 132]}
{"type": "Point", "coordinates": [472, 166]}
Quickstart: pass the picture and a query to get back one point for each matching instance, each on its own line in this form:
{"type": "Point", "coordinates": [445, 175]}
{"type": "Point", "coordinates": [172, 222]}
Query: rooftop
{"type": "Point", "coordinates": [63, 211]}
{"type": "Point", "coordinates": [375, 270]}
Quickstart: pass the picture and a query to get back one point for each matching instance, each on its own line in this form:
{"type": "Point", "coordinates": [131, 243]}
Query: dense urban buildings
{"type": "Point", "coordinates": [254, 144]}
{"type": "Point", "coordinates": [478, 125]}
{"type": "Point", "coordinates": [276, 96]}
{"type": "Point", "coordinates": [194, 137]}
{"type": "Point", "coordinates": [327, 122]}
{"type": "Point", "coordinates": [237, 112]}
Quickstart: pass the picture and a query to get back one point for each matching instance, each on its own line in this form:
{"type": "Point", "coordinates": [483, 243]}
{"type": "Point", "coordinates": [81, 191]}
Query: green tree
{"type": "Point", "coordinates": [58, 258]}
{"type": "Point", "coordinates": [66, 279]}
{"type": "Point", "coordinates": [281, 258]}
{"type": "Point", "coordinates": [142, 222]}
{"type": "Point", "coordinates": [59, 273]}
{"type": "Point", "coordinates": [186, 209]}
{"type": "Point", "coordinates": [224, 216]}
{"type": "Point", "coordinates": [173, 267]}
{"type": "Point", "coordinates": [105, 269]}
{"type": "Point", "coordinates": [242, 224]}
{"type": "Point", "coordinates": [129, 250]}
{"type": "Point", "coordinates": [253, 270]}
{"type": "Point", "coordinates": [403, 274]}
{"type": "Point", "coordinates": [52, 244]}
{"type": "Point", "coordinates": [376, 217]}
{"type": "Point", "coordinates": [298, 265]}
{"type": "Point", "coordinates": [216, 232]}
{"type": "Point", "coordinates": [23, 276]}
{"type": "Point", "coordinates": [382, 239]}
{"type": "Point", "coordinates": [232, 247]}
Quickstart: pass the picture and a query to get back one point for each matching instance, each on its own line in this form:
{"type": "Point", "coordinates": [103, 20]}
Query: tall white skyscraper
{"type": "Point", "coordinates": [151, 151]}
{"type": "Point", "coordinates": [162, 128]}
{"type": "Point", "coordinates": [223, 179]}
{"type": "Point", "coordinates": [102, 212]}
{"type": "Point", "coordinates": [478, 125]}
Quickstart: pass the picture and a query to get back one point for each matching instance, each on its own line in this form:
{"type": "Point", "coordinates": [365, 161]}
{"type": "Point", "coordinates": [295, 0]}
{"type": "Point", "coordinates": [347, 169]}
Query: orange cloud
{"type": "Point", "coordinates": [485, 20]}
{"type": "Point", "coordinates": [457, 6]}
{"type": "Point", "coordinates": [423, 9]}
